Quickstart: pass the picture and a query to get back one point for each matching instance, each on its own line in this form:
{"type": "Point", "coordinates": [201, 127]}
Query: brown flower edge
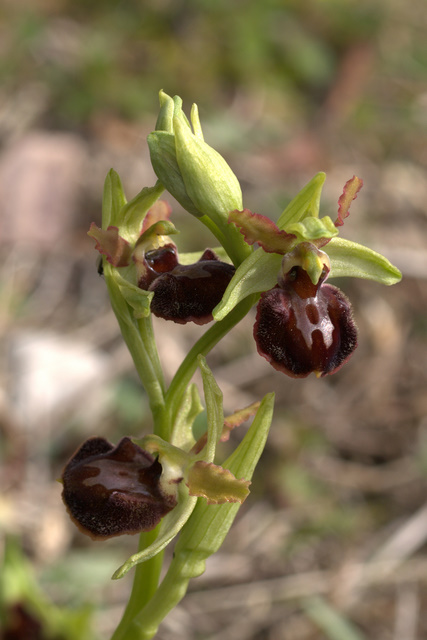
{"type": "Point", "coordinates": [302, 328]}
{"type": "Point", "coordinates": [113, 490]}
{"type": "Point", "coordinates": [189, 293]}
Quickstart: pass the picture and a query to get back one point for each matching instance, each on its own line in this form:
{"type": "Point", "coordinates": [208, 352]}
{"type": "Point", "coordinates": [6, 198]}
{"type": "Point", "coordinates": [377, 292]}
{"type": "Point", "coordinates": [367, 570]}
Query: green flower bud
{"type": "Point", "coordinates": [166, 168]}
{"type": "Point", "coordinates": [209, 181]}
{"type": "Point", "coordinates": [195, 174]}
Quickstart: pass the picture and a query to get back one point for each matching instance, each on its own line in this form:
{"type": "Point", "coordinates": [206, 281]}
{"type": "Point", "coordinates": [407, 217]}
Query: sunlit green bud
{"type": "Point", "coordinates": [165, 165]}
{"type": "Point", "coordinates": [195, 174]}
{"type": "Point", "coordinates": [210, 183]}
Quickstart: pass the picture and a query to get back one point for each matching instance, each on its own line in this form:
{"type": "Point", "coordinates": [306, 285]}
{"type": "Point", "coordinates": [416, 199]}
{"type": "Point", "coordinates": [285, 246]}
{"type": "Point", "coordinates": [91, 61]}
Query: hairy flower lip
{"type": "Point", "coordinates": [113, 490]}
{"type": "Point", "coordinates": [301, 328]}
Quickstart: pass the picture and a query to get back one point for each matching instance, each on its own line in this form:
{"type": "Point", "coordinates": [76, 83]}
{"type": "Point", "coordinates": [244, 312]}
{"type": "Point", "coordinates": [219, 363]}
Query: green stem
{"type": "Point", "coordinates": [139, 338]}
{"type": "Point", "coordinates": [144, 585]}
{"type": "Point", "coordinates": [170, 592]}
{"type": "Point", "coordinates": [229, 237]}
{"type": "Point", "coordinates": [202, 346]}
{"type": "Point", "coordinates": [204, 532]}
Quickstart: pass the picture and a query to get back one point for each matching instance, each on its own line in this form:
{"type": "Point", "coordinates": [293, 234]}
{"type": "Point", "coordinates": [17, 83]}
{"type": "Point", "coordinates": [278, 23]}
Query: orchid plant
{"type": "Point", "coordinates": [170, 481]}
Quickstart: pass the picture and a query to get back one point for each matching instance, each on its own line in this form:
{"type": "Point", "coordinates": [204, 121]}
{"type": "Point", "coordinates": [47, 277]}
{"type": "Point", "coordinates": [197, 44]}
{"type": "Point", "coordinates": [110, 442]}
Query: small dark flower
{"type": "Point", "coordinates": [111, 490]}
{"type": "Point", "coordinates": [190, 292]}
{"type": "Point", "coordinates": [303, 327]}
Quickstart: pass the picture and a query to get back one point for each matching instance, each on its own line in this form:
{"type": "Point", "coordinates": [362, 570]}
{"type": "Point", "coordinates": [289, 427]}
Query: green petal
{"type": "Point", "coordinates": [165, 165]}
{"type": "Point", "coordinates": [132, 214]}
{"type": "Point", "coordinates": [314, 230]}
{"type": "Point", "coordinates": [257, 273]}
{"type": "Point", "coordinates": [113, 200]}
{"type": "Point", "coordinates": [216, 484]}
{"type": "Point", "coordinates": [306, 203]}
{"type": "Point", "coordinates": [138, 299]}
{"type": "Point", "coordinates": [357, 261]}
{"type": "Point", "coordinates": [111, 244]}
{"type": "Point", "coordinates": [258, 228]}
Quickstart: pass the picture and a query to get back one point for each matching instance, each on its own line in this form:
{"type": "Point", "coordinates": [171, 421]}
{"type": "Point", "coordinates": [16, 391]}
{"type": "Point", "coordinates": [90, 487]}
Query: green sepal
{"type": "Point", "coordinates": [214, 409]}
{"type": "Point", "coordinates": [132, 214]}
{"type": "Point", "coordinates": [195, 121]}
{"type": "Point", "coordinates": [171, 525]}
{"type": "Point", "coordinates": [160, 228]}
{"type": "Point", "coordinates": [257, 273]}
{"type": "Point", "coordinates": [165, 165]}
{"type": "Point", "coordinates": [179, 113]}
{"type": "Point", "coordinates": [126, 216]}
{"type": "Point", "coordinates": [306, 203]}
{"type": "Point", "coordinates": [357, 261]}
{"type": "Point", "coordinates": [314, 230]}
{"type": "Point", "coordinates": [209, 181]}
{"type": "Point", "coordinates": [113, 199]}
{"type": "Point", "coordinates": [138, 299]}
{"type": "Point", "coordinates": [216, 484]}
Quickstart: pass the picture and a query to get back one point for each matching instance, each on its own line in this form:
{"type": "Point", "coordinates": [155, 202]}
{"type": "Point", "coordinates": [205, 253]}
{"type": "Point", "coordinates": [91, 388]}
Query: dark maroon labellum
{"type": "Point", "coordinates": [190, 292]}
{"type": "Point", "coordinates": [302, 328]}
{"type": "Point", "coordinates": [109, 491]}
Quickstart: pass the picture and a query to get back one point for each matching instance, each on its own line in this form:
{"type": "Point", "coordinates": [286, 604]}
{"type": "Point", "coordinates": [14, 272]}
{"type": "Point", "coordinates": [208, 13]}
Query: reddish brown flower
{"type": "Point", "coordinates": [190, 292]}
{"type": "Point", "coordinates": [111, 490]}
{"type": "Point", "coordinates": [302, 328]}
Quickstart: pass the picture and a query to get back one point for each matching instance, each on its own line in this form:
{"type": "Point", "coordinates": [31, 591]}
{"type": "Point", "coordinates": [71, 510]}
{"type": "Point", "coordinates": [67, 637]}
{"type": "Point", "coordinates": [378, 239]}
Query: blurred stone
{"type": "Point", "coordinates": [53, 373]}
{"type": "Point", "coordinates": [41, 178]}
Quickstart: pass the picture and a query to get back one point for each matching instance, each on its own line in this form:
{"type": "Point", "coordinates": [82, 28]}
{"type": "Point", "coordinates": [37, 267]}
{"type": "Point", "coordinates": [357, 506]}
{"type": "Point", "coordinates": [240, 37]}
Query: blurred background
{"type": "Point", "coordinates": [332, 541]}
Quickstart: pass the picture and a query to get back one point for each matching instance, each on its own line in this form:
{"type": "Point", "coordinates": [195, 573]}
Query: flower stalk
{"type": "Point", "coordinates": [169, 481]}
